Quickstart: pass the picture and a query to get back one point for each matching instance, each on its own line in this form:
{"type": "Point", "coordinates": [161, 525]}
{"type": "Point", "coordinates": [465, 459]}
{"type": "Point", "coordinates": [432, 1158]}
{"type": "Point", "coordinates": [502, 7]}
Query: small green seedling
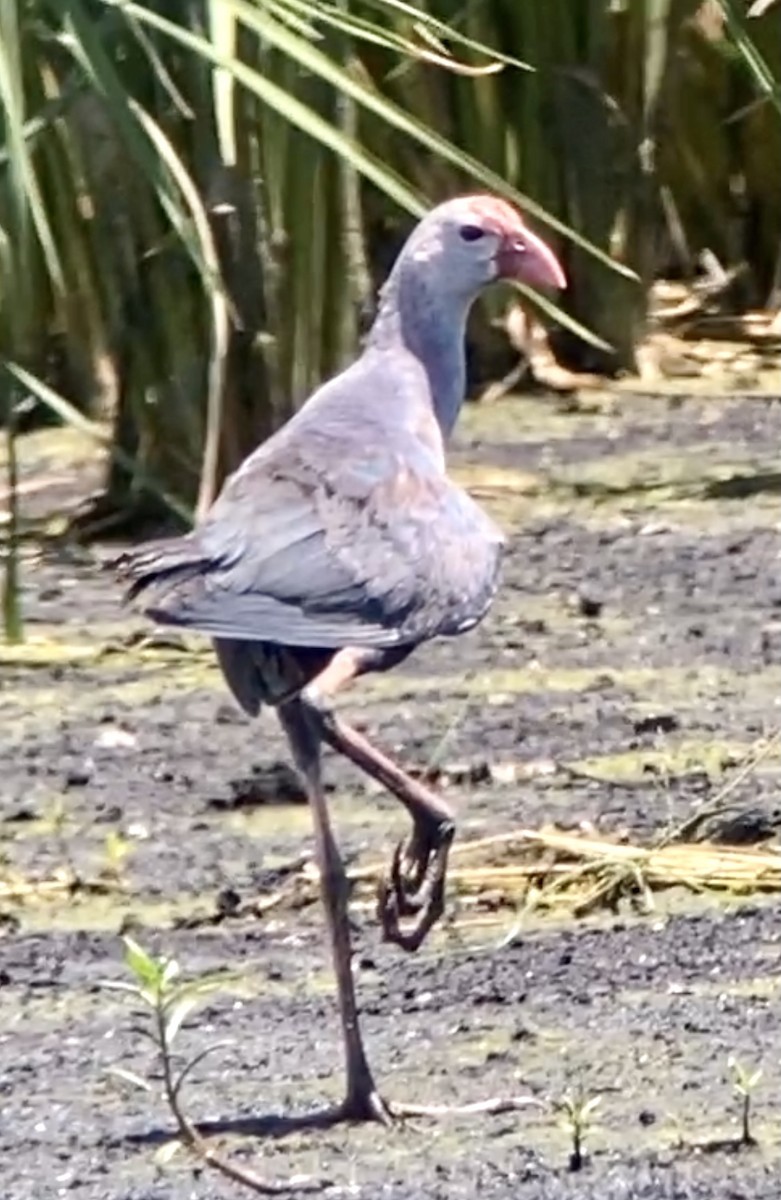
{"type": "Point", "coordinates": [116, 849]}
{"type": "Point", "coordinates": [576, 1111]}
{"type": "Point", "coordinates": [744, 1082]}
{"type": "Point", "coordinates": [158, 985]}
{"type": "Point", "coordinates": [55, 822]}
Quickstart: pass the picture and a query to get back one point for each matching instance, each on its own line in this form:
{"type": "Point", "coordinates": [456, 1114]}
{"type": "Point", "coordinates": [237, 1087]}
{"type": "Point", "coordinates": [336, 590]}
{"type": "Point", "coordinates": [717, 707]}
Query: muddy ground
{"type": "Point", "coordinates": [633, 659]}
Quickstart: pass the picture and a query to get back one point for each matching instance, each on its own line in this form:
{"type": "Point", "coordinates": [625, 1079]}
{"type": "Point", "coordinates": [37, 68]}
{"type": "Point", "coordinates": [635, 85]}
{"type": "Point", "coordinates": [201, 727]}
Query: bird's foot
{"type": "Point", "coordinates": [492, 1107]}
{"type": "Point", "coordinates": [360, 1108]}
{"type": "Point", "coordinates": [415, 886]}
{"type": "Point", "coordinates": [365, 1105]}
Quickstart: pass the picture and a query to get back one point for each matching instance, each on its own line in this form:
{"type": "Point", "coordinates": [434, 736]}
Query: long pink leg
{"type": "Point", "coordinates": [415, 886]}
{"type": "Point", "coordinates": [362, 1100]}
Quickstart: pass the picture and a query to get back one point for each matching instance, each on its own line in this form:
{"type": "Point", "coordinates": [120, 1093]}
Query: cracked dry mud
{"type": "Point", "coordinates": [637, 640]}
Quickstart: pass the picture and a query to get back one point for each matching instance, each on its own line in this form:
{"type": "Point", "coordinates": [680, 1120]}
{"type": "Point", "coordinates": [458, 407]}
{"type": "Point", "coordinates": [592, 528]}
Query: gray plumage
{"type": "Point", "coordinates": [343, 529]}
{"type": "Point", "coordinates": [340, 532]}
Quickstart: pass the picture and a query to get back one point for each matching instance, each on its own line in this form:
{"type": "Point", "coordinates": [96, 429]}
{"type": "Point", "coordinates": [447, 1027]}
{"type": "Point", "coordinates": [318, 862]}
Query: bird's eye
{"type": "Point", "coordinates": [471, 233]}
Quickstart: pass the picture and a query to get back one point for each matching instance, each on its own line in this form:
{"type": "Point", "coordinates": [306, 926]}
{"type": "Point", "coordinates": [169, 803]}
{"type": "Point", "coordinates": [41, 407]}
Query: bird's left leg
{"type": "Point", "coordinates": [362, 1101]}
{"type": "Point", "coordinates": [416, 885]}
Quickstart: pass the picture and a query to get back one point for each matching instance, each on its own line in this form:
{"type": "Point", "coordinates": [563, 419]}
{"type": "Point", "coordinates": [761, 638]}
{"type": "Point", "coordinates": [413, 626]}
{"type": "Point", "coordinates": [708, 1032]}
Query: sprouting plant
{"type": "Point", "coordinates": [576, 1110]}
{"type": "Point", "coordinates": [55, 822]}
{"type": "Point", "coordinates": [55, 818]}
{"type": "Point", "coordinates": [169, 1000]}
{"type": "Point", "coordinates": [116, 848]}
{"type": "Point", "coordinates": [744, 1081]}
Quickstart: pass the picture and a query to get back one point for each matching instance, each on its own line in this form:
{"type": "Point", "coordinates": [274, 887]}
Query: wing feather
{"type": "Point", "coordinates": [319, 541]}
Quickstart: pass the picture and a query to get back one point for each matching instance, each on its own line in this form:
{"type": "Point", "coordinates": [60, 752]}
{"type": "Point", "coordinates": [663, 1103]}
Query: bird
{"type": "Point", "coordinates": [340, 545]}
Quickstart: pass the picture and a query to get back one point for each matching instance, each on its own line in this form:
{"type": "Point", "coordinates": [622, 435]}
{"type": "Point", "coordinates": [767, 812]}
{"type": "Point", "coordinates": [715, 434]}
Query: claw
{"type": "Point", "coordinates": [405, 886]}
{"type": "Point", "coordinates": [415, 887]}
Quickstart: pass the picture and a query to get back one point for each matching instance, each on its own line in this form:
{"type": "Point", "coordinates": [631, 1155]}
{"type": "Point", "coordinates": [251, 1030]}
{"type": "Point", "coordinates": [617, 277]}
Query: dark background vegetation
{"type": "Point", "coordinates": [198, 199]}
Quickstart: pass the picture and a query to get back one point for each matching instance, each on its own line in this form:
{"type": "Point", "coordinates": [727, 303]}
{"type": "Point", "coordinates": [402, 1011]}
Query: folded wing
{"type": "Point", "coordinates": [376, 549]}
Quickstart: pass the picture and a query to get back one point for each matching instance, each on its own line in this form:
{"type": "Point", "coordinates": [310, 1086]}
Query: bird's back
{"type": "Point", "coordinates": [341, 529]}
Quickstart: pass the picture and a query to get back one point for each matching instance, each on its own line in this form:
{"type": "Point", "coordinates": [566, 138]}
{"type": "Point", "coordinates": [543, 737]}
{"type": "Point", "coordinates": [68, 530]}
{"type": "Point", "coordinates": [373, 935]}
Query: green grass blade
{"type": "Point", "coordinates": [288, 106]}
{"type": "Point", "coordinates": [537, 301]}
{"type": "Point", "coordinates": [159, 69]}
{"type": "Point", "coordinates": [310, 58]}
{"type": "Point", "coordinates": [89, 51]}
{"type": "Point", "coordinates": [29, 203]}
{"type": "Point", "coordinates": [220, 322]}
{"type": "Point", "coordinates": [759, 69]}
{"type": "Point", "coordinates": [426, 47]}
{"type": "Point", "coordinates": [449, 32]}
{"type": "Point", "coordinates": [223, 30]}
{"type": "Point", "coordinates": [315, 60]}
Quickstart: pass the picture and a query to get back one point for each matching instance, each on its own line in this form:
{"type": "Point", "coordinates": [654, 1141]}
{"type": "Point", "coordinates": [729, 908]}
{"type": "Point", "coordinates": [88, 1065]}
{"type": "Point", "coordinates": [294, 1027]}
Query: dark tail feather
{"type": "Point", "coordinates": [168, 561]}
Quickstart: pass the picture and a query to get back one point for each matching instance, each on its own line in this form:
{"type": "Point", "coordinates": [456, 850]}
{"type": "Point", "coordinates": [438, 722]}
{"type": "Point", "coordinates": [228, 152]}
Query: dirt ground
{"type": "Point", "coordinates": [631, 662]}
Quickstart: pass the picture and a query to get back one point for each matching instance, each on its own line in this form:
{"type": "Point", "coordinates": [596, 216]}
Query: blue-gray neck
{"type": "Point", "coordinates": [430, 325]}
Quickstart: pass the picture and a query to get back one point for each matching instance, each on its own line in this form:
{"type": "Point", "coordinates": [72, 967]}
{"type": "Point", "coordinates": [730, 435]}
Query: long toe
{"type": "Point", "coordinates": [409, 936]}
{"type": "Point", "coordinates": [417, 865]}
{"type": "Point", "coordinates": [421, 897]}
{"type": "Point", "coordinates": [411, 858]}
{"type": "Point", "coordinates": [405, 883]}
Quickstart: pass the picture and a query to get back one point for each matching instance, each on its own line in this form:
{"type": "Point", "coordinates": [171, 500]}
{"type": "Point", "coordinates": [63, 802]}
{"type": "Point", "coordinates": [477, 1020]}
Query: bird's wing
{"type": "Point", "coordinates": [329, 544]}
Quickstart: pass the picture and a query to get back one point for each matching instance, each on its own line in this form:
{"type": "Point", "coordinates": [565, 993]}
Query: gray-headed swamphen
{"type": "Point", "coordinates": [340, 545]}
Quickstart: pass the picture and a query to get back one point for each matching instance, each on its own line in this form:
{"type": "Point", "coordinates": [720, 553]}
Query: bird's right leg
{"type": "Point", "coordinates": [362, 1100]}
{"type": "Point", "coordinates": [304, 727]}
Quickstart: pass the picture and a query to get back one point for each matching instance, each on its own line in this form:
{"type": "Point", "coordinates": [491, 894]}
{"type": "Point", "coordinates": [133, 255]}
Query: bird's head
{"type": "Point", "coordinates": [471, 241]}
